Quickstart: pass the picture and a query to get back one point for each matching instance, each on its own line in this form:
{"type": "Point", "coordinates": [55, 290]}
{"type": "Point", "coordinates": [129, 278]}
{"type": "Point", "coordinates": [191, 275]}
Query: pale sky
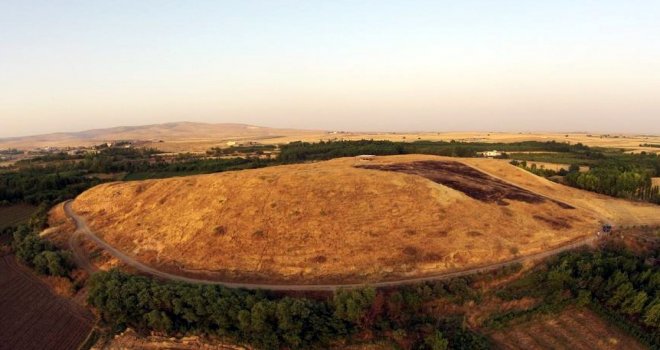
{"type": "Point", "coordinates": [560, 65]}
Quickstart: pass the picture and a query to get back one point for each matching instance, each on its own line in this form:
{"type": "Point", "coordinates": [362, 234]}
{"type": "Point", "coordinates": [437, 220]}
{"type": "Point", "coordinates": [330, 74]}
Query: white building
{"type": "Point", "coordinates": [366, 157]}
{"type": "Point", "coordinates": [491, 154]}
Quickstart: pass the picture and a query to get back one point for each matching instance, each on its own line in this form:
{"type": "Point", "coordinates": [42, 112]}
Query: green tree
{"type": "Point", "coordinates": [51, 263]}
{"type": "Point", "coordinates": [158, 320]}
{"type": "Point", "coordinates": [436, 341]}
{"type": "Point", "coordinates": [353, 305]}
{"type": "Point", "coordinates": [634, 304]}
{"type": "Point", "coordinates": [622, 292]}
{"type": "Point", "coordinates": [652, 314]}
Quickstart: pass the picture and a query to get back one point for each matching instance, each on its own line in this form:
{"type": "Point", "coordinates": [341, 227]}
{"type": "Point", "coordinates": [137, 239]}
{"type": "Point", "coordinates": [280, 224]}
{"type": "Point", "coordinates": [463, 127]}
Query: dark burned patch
{"type": "Point", "coordinates": [319, 259]}
{"type": "Point", "coordinates": [410, 232]}
{"type": "Point", "coordinates": [410, 251]}
{"type": "Point", "coordinates": [554, 223]}
{"type": "Point", "coordinates": [563, 205]}
{"type": "Point", "coordinates": [432, 257]}
{"type": "Point", "coordinates": [466, 179]}
{"type": "Point", "coordinates": [220, 230]}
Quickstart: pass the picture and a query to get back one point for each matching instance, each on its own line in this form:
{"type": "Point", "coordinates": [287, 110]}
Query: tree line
{"type": "Point", "coordinates": [623, 181]}
{"type": "Point", "coordinates": [306, 151]}
{"type": "Point", "coordinates": [624, 176]}
{"type": "Point", "coordinates": [268, 321]}
{"type": "Point", "coordinates": [36, 252]}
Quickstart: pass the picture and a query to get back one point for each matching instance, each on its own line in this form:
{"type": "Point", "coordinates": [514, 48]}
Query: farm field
{"type": "Point", "coordinates": [199, 137]}
{"type": "Point", "coordinates": [292, 223]}
{"type": "Point", "coordinates": [15, 214]}
{"type": "Point", "coordinates": [630, 143]}
{"type": "Point", "coordinates": [552, 166]}
{"type": "Point", "coordinates": [574, 329]}
{"type": "Point", "coordinates": [35, 318]}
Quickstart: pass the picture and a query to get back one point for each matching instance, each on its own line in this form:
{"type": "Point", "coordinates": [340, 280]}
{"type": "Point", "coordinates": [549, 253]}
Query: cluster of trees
{"type": "Point", "coordinates": [36, 182]}
{"type": "Point", "coordinates": [10, 151]}
{"type": "Point", "coordinates": [615, 174]}
{"type": "Point", "coordinates": [305, 151]}
{"type": "Point", "coordinates": [135, 160]}
{"type": "Point", "coordinates": [623, 287]}
{"type": "Point", "coordinates": [542, 171]}
{"type": "Point", "coordinates": [37, 252]}
{"type": "Point", "coordinates": [271, 322]}
{"type": "Point", "coordinates": [240, 150]}
{"type": "Point", "coordinates": [36, 185]}
{"type": "Point", "coordinates": [622, 181]}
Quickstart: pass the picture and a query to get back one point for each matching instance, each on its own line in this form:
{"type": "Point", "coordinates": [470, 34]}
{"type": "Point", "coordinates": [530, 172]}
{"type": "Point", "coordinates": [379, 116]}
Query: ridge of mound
{"type": "Point", "coordinates": [339, 220]}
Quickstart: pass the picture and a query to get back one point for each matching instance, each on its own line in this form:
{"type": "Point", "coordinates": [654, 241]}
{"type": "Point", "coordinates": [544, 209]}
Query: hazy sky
{"type": "Point", "coordinates": [352, 65]}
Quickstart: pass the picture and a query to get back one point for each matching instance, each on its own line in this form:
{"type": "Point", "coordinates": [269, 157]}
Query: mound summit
{"type": "Point", "coordinates": [342, 220]}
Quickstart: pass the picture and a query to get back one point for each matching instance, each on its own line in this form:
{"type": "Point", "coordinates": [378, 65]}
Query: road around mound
{"type": "Point", "coordinates": [83, 229]}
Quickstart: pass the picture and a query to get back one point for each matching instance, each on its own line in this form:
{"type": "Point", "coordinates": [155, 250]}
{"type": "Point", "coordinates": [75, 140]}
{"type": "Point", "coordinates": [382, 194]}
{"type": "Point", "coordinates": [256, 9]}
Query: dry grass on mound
{"type": "Point", "coordinates": [322, 222]}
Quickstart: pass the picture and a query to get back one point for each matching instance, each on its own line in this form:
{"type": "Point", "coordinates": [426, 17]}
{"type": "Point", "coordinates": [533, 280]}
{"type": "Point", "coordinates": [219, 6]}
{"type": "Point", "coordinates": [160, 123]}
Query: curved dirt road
{"type": "Point", "coordinates": [82, 228]}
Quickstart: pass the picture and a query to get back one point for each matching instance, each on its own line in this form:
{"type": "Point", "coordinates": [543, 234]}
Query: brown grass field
{"type": "Point", "coordinates": [573, 329]}
{"type": "Point", "coordinates": [15, 214]}
{"type": "Point", "coordinates": [332, 221]}
{"type": "Point", "coordinates": [628, 142]}
{"type": "Point", "coordinates": [33, 317]}
{"type": "Point", "coordinates": [199, 137]}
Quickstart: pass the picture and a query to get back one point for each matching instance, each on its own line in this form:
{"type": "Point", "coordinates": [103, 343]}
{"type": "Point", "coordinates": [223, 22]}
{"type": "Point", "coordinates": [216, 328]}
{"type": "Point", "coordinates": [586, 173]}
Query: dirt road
{"type": "Point", "coordinates": [83, 229]}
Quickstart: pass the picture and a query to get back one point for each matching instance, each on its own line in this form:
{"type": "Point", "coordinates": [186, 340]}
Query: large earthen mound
{"type": "Point", "coordinates": [343, 220]}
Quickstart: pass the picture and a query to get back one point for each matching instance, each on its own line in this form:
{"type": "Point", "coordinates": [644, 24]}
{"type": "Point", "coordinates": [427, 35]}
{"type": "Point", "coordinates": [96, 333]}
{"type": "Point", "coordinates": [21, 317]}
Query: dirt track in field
{"type": "Point", "coordinates": [83, 229]}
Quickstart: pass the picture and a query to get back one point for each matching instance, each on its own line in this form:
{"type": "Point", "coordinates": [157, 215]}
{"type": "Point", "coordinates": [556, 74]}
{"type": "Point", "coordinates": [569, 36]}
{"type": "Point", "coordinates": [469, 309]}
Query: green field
{"type": "Point", "coordinates": [11, 215]}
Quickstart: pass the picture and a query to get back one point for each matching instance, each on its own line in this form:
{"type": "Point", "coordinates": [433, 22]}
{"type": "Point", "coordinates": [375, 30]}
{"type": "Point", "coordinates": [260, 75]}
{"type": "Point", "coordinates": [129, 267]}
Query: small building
{"type": "Point", "coordinates": [366, 157]}
{"type": "Point", "coordinates": [491, 154]}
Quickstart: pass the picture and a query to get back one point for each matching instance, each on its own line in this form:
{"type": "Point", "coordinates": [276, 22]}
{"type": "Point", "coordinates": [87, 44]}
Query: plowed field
{"type": "Point", "coordinates": [35, 318]}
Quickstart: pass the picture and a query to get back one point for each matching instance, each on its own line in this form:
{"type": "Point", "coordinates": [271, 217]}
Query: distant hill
{"type": "Point", "coordinates": [179, 131]}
